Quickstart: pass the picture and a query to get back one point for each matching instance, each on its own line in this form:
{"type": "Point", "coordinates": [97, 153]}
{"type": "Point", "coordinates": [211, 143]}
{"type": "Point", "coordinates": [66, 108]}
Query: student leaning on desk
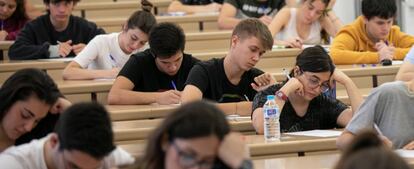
{"type": "Point", "coordinates": [55, 34]}
{"type": "Point", "coordinates": [372, 38]}
{"type": "Point", "coordinates": [105, 55]}
{"type": "Point", "coordinates": [234, 77]}
{"type": "Point", "coordinates": [158, 74]}
{"type": "Point", "coordinates": [13, 17]}
{"type": "Point", "coordinates": [390, 107]}
{"type": "Point", "coordinates": [29, 108]}
{"type": "Point", "coordinates": [301, 100]}
{"type": "Point", "coordinates": [196, 135]}
{"type": "Point", "coordinates": [313, 22]}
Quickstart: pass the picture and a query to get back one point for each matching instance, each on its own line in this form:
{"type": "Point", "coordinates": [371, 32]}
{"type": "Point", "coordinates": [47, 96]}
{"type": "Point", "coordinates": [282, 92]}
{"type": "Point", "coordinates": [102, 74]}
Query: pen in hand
{"type": "Point", "coordinates": [173, 85]}
{"type": "Point", "coordinates": [286, 73]}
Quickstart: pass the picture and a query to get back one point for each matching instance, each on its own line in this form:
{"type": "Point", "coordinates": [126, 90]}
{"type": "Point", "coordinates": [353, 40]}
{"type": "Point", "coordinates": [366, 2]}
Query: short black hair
{"type": "Point", "coordinates": [86, 127]}
{"type": "Point", "coordinates": [166, 39]}
{"type": "Point", "coordinates": [57, 1]}
{"type": "Point", "coordinates": [384, 9]}
{"type": "Point", "coordinates": [25, 83]}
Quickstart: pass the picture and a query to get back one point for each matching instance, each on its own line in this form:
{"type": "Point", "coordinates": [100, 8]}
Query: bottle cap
{"type": "Point", "coordinates": [270, 97]}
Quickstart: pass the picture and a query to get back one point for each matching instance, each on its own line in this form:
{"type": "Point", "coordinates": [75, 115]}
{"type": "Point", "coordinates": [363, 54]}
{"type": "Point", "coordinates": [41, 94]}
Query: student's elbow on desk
{"type": "Point", "coordinates": [344, 139]}
{"type": "Point", "coordinates": [191, 93]}
{"type": "Point", "coordinates": [257, 120]}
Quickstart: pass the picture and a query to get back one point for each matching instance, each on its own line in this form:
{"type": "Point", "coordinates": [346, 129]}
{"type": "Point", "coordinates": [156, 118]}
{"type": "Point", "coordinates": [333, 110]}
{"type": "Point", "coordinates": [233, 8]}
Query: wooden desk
{"type": "Point", "coordinates": [91, 10]}
{"type": "Point", "coordinates": [85, 90]}
{"type": "Point", "coordinates": [190, 23]}
{"type": "Point", "coordinates": [54, 69]}
{"type": "Point", "coordinates": [289, 146]}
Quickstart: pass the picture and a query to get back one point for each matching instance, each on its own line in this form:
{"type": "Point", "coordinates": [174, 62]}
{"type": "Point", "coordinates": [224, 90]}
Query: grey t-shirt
{"type": "Point", "coordinates": [391, 107]}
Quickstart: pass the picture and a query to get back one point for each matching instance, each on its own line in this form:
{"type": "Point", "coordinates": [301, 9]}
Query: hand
{"type": "Point", "coordinates": [294, 42]}
{"type": "Point", "coordinates": [409, 146]}
{"type": "Point", "coordinates": [60, 105]}
{"type": "Point", "coordinates": [169, 97]}
{"type": "Point", "coordinates": [65, 48]}
{"type": "Point", "coordinates": [386, 141]}
{"type": "Point", "coordinates": [385, 51]}
{"type": "Point", "coordinates": [339, 76]}
{"type": "Point", "coordinates": [263, 81]}
{"type": "Point", "coordinates": [3, 35]}
{"type": "Point", "coordinates": [114, 72]}
{"type": "Point", "coordinates": [293, 85]}
{"type": "Point", "coordinates": [266, 19]}
{"type": "Point", "coordinates": [215, 7]}
{"type": "Point", "coordinates": [78, 48]}
{"type": "Point", "coordinates": [232, 150]}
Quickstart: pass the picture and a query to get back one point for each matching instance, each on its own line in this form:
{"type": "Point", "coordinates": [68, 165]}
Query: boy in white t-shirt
{"type": "Point", "coordinates": [83, 138]}
{"type": "Point", "coordinates": [105, 55]}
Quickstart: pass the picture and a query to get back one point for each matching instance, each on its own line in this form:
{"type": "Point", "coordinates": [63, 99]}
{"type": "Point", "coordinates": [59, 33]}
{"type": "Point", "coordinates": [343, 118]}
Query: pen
{"type": "Point", "coordinates": [286, 73]}
{"type": "Point", "coordinates": [247, 98]}
{"type": "Point", "coordinates": [113, 62]}
{"type": "Point", "coordinates": [173, 85]}
{"type": "Point", "coordinates": [378, 130]}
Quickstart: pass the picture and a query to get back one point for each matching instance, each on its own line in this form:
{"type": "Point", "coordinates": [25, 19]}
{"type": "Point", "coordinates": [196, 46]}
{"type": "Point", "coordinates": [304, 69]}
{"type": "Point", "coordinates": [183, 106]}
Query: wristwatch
{"type": "Point", "coordinates": [246, 164]}
{"type": "Point", "coordinates": [281, 95]}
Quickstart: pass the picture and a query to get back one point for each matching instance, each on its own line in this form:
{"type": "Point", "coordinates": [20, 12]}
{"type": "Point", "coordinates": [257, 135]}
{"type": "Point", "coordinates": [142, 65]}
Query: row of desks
{"type": "Point", "coordinates": [365, 78]}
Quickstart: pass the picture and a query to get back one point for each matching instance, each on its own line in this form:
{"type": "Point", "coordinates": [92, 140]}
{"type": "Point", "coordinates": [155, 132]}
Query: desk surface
{"type": "Point", "coordinates": [258, 147]}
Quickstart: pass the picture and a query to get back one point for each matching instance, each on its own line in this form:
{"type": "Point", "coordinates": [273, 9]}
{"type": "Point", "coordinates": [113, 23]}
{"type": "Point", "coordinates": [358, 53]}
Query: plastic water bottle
{"type": "Point", "coordinates": [271, 119]}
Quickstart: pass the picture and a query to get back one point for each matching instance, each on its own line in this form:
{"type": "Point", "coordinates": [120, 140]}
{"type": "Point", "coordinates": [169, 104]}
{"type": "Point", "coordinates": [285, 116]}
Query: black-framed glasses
{"type": "Point", "coordinates": [315, 82]}
{"type": "Point", "coordinates": [189, 160]}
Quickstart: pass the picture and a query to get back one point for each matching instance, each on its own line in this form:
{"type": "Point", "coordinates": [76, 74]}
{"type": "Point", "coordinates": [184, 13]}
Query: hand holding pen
{"type": "Point", "coordinates": [384, 139]}
{"type": "Point", "coordinates": [64, 48]}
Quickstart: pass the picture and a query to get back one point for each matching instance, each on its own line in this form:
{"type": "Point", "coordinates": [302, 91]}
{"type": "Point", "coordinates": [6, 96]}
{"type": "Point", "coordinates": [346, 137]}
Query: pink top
{"type": "Point", "coordinates": [12, 27]}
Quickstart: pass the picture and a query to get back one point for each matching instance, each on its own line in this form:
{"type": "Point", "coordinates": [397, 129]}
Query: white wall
{"type": "Point", "coordinates": [345, 10]}
{"type": "Point", "coordinates": [408, 12]}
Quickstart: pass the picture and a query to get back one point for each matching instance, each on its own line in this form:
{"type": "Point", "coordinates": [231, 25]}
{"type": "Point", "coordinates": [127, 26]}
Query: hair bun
{"type": "Point", "coordinates": [146, 5]}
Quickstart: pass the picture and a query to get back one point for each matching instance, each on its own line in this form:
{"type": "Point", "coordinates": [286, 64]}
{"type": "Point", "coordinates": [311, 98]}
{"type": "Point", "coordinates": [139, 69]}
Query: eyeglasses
{"type": "Point", "coordinates": [314, 83]}
{"type": "Point", "coordinates": [188, 160]}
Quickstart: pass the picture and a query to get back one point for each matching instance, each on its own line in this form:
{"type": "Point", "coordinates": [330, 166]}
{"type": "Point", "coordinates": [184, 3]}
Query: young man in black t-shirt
{"type": "Point", "coordinates": [156, 75]}
{"type": "Point", "coordinates": [194, 6]}
{"type": "Point", "coordinates": [233, 78]}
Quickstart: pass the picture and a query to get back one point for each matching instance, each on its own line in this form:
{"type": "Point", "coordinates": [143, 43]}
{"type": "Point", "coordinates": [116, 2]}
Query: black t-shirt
{"type": "Point", "coordinates": [210, 78]}
{"type": "Point", "coordinates": [200, 2]}
{"type": "Point", "coordinates": [143, 72]}
{"type": "Point", "coordinates": [322, 112]}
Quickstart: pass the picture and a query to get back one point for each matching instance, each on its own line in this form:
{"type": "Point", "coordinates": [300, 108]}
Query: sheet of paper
{"type": "Point", "coordinates": [57, 60]}
{"type": "Point", "coordinates": [317, 133]}
{"type": "Point", "coordinates": [397, 62]}
{"type": "Point", "coordinates": [405, 153]}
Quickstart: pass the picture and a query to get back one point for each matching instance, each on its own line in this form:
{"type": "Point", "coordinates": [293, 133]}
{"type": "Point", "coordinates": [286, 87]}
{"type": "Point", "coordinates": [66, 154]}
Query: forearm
{"type": "Point", "coordinates": [400, 53]}
{"type": "Point", "coordinates": [354, 95]}
{"type": "Point", "coordinates": [226, 22]}
{"type": "Point", "coordinates": [258, 120]}
{"type": "Point", "coordinates": [128, 97]}
{"type": "Point", "coordinates": [344, 140]}
{"type": "Point", "coordinates": [176, 6]}
{"type": "Point", "coordinates": [239, 108]}
{"type": "Point", "coordinates": [86, 74]}
{"type": "Point", "coordinates": [344, 56]}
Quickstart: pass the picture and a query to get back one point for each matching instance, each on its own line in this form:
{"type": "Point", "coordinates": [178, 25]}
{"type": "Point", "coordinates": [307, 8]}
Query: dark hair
{"type": "Point", "coordinates": [193, 120]}
{"type": "Point", "coordinates": [368, 152]}
{"type": "Point", "coordinates": [253, 27]}
{"type": "Point", "coordinates": [57, 1]}
{"type": "Point", "coordinates": [25, 83]}
{"type": "Point", "coordinates": [142, 19]}
{"type": "Point", "coordinates": [166, 39]}
{"type": "Point", "coordinates": [380, 8]}
{"type": "Point", "coordinates": [20, 13]}
{"type": "Point", "coordinates": [86, 127]}
{"type": "Point", "coordinates": [314, 59]}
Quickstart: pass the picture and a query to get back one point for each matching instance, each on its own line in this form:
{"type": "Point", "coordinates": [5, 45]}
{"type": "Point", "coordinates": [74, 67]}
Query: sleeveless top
{"type": "Point", "coordinates": [290, 30]}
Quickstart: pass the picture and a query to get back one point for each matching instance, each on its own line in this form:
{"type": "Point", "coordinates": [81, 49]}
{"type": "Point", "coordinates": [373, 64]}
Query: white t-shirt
{"type": "Point", "coordinates": [31, 156]}
{"type": "Point", "coordinates": [97, 54]}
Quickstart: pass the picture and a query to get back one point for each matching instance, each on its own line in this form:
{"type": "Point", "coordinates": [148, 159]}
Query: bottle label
{"type": "Point", "coordinates": [271, 112]}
